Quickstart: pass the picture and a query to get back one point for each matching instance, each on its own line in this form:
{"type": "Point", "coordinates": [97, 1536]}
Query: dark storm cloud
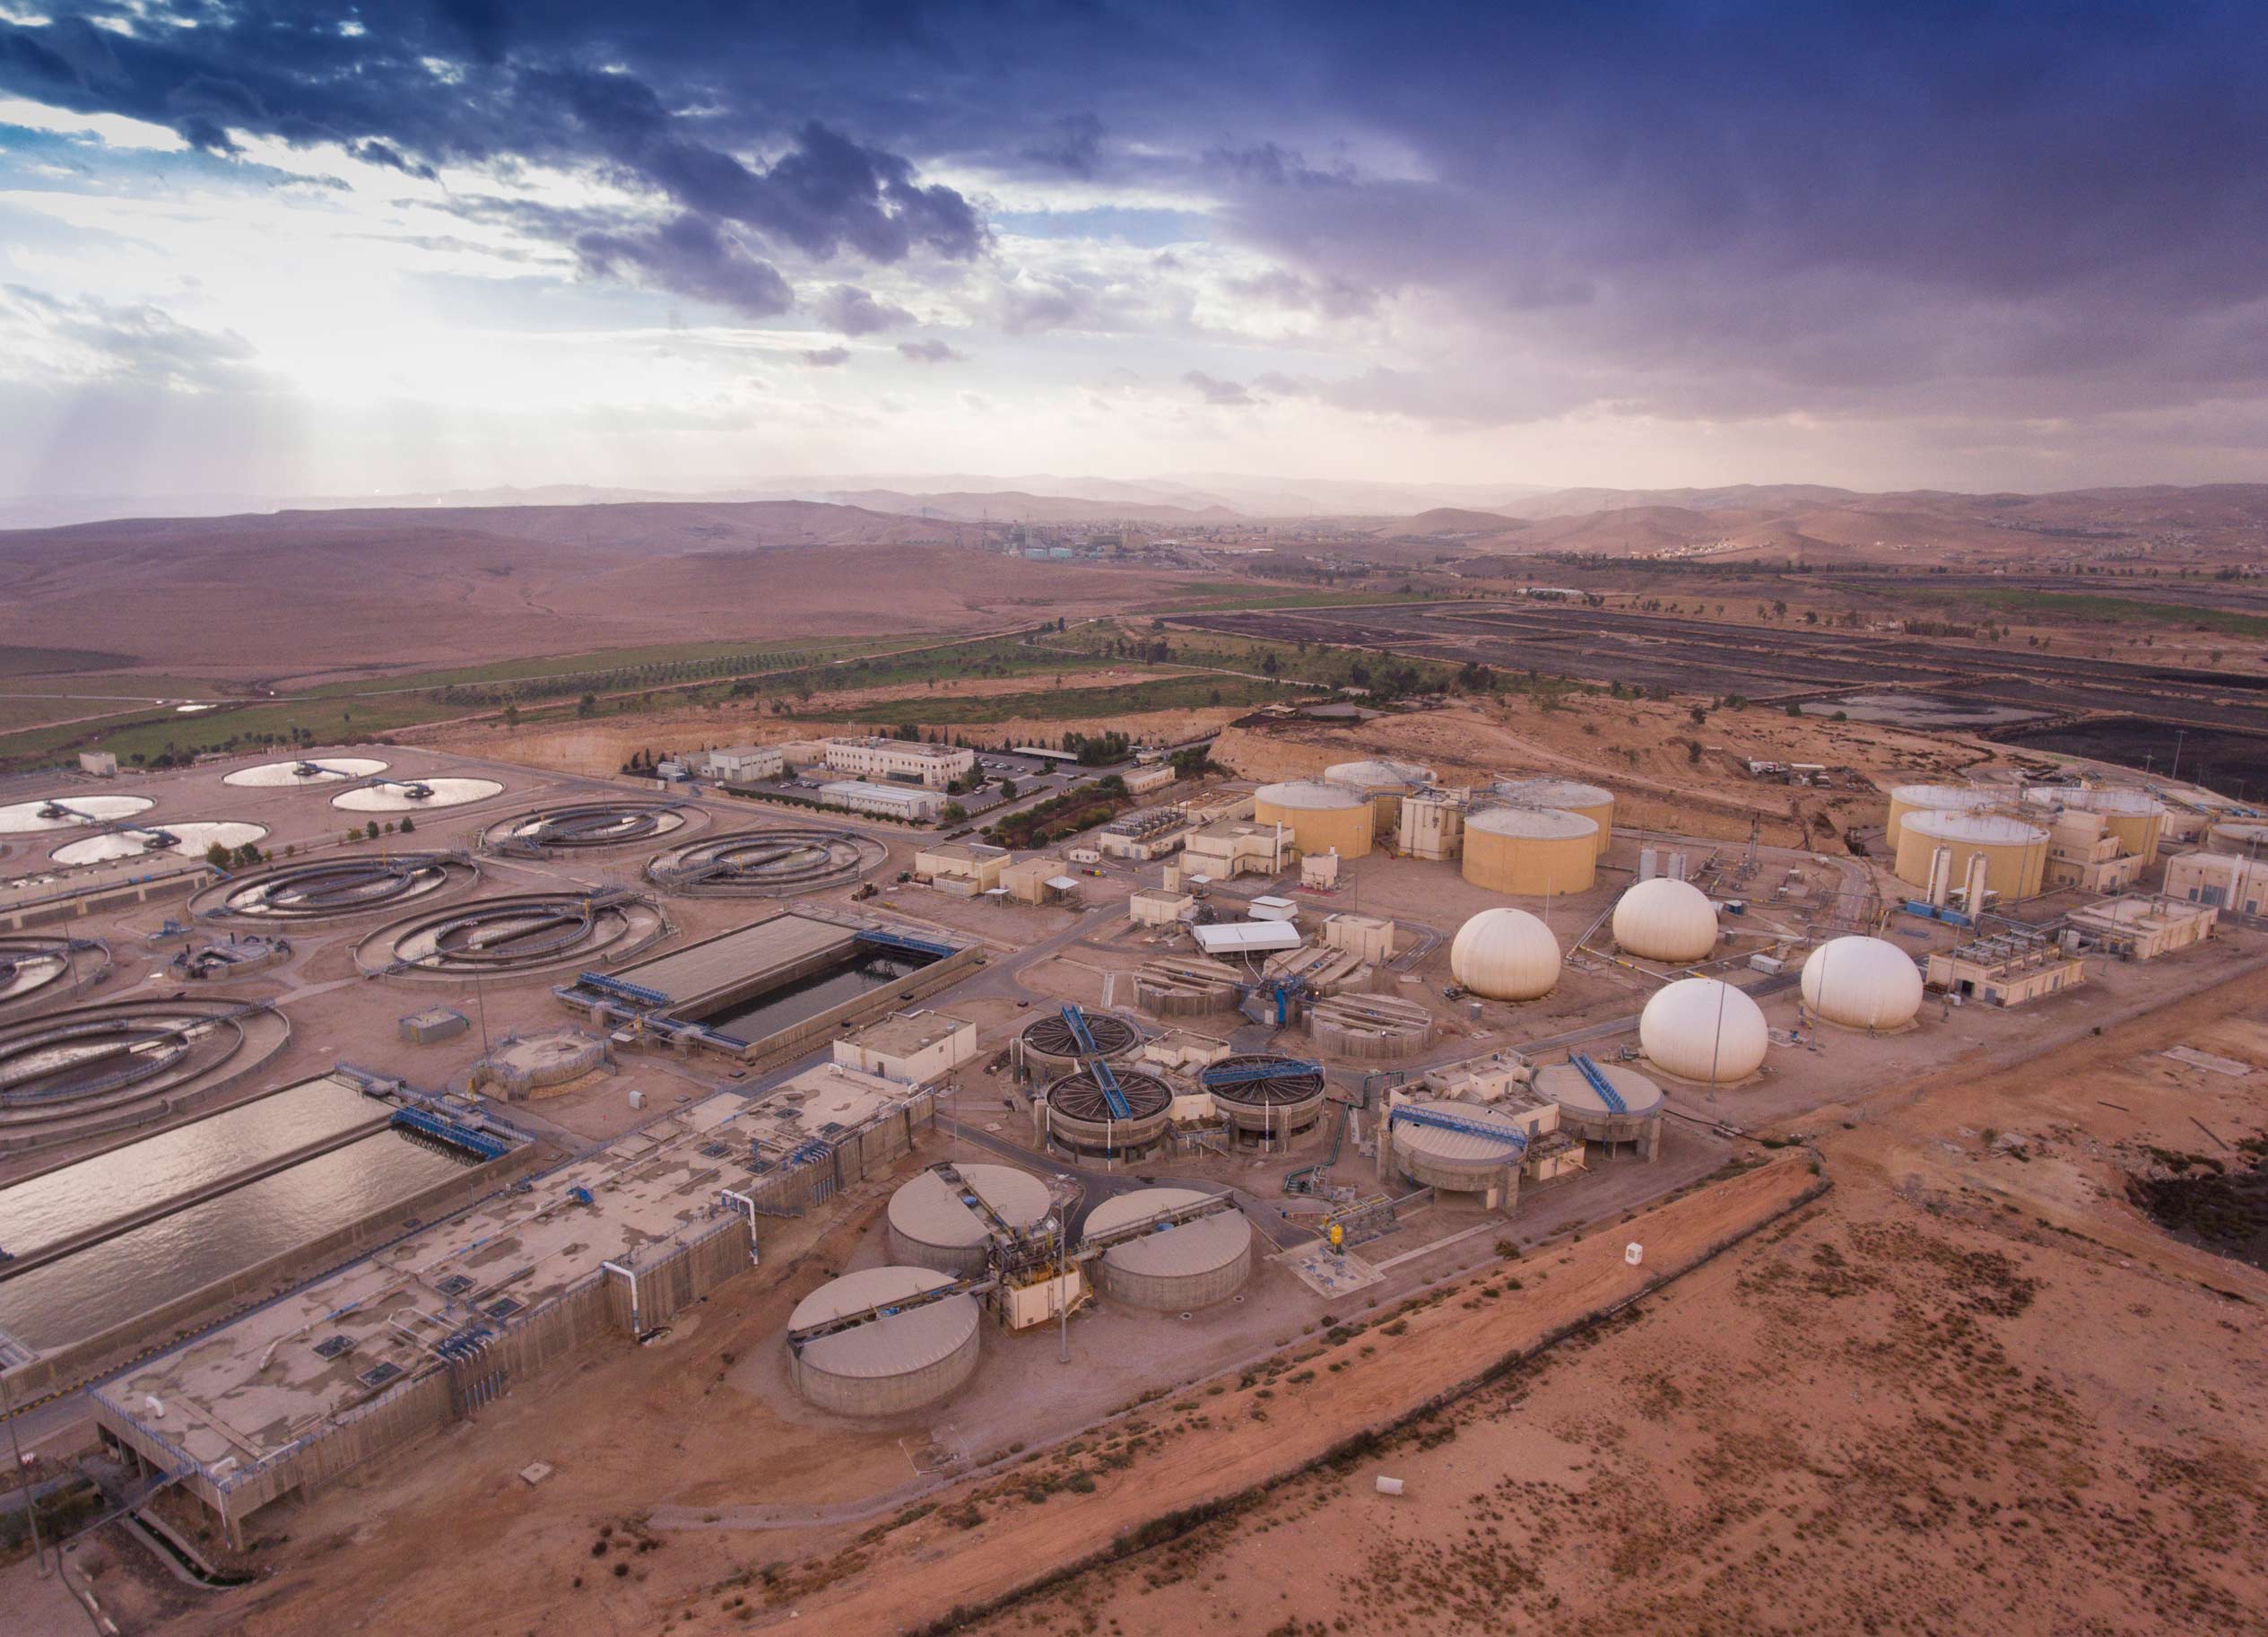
{"type": "Point", "coordinates": [852, 311]}
{"type": "Point", "coordinates": [689, 255]}
{"type": "Point", "coordinates": [645, 97]}
{"type": "Point", "coordinates": [1703, 207]}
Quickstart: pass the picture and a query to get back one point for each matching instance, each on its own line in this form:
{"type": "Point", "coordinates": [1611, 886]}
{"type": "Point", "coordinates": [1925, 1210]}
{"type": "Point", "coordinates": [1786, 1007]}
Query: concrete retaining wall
{"type": "Point", "coordinates": [52, 911]}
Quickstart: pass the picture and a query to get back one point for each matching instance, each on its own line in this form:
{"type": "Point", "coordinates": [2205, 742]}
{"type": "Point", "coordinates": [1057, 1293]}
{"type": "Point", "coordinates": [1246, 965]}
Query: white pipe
{"type": "Point", "coordinates": [748, 1205]}
{"type": "Point", "coordinates": [627, 1274]}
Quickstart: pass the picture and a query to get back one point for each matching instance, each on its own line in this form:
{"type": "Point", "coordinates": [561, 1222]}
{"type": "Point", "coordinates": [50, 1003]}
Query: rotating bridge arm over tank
{"type": "Point", "coordinates": [1095, 1243]}
{"type": "Point", "coordinates": [1417, 1116]}
{"type": "Point", "coordinates": [1599, 1082]}
{"type": "Point", "coordinates": [798, 1340]}
{"type": "Point", "coordinates": [1091, 1059]}
{"type": "Point", "coordinates": [1259, 1073]}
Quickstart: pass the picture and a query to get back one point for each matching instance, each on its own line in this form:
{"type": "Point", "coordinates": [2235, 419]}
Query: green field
{"type": "Point", "coordinates": [603, 662]}
{"type": "Point", "coordinates": [1230, 600]}
{"type": "Point", "coordinates": [2111, 610]}
{"type": "Point", "coordinates": [48, 661]}
{"type": "Point", "coordinates": [1067, 704]}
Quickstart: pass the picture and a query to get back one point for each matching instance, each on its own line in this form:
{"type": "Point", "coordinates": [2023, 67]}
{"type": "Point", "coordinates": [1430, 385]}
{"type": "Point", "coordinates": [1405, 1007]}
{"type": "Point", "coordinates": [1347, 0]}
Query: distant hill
{"type": "Point", "coordinates": [293, 592]}
{"type": "Point", "coordinates": [1455, 522]}
{"type": "Point", "coordinates": [1014, 506]}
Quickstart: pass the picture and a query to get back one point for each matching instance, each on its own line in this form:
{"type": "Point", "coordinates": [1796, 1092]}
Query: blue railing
{"type": "Point", "coordinates": [1600, 1083]}
{"type": "Point", "coordinates": [455, 1133]}
{"type": "Point", "coordinates": [1405, 1115]}
{"type": "Point", "coordinates": [636, 993]}
{"type": "Point", "coordinates": [898, 940]}
{"type": "Point", "coordinates": [1255, 1074]}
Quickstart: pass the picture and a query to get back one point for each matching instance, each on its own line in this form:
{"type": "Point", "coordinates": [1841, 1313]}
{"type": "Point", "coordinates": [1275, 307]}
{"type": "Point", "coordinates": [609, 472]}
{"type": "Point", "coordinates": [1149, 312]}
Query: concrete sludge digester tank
{"type": "Point", "coordinates": [1664, 919]}
{"type": "Point", "coordinates": [879, 1342]}
{"type": "Point", "coordinates": [947, 1223]}
{"type": "Point", "coordinates": [1530, 852]}
{"type": "Point", "coordinates": [2015, 853]}
{"type": "Point", "coordinates": [1700, 1029]}
{"type": "Point", "coordinates": [1505, 954]}
{"type": "Point", "coordinates": [1862, 983]}
{"type": "Point", "coordinates": [1564, 796]}
{"type": "Point", "coordinates": [1181, 1265]}
{"type": "Point", "coordinates": [1319, 817]}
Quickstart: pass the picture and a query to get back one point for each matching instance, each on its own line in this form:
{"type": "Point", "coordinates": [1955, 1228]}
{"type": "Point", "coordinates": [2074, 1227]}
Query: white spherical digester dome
{"type": "Point", "coordinates": [1863, 983]}
{"type": "Point", "coordinates": [1664, 919]}
{"type": "Point", "coordinates": [1699, 1029]}
{"type": "Point", "coordinates": [1505, 955]}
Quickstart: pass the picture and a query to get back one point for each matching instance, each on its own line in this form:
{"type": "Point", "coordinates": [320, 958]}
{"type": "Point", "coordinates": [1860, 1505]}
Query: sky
{"type": "Point", "coordinates": [348, 249]}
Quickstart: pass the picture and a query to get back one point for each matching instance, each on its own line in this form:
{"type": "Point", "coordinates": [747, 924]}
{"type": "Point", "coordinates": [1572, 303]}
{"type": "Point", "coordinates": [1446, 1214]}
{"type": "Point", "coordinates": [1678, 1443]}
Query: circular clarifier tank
{"type": "Point", "coordinates": [1173, 1266]}
{"type": "Point", "coordinates": [946, 1226]}
{"type": "Point", "coordinates": [63, 812]}
{"type": "Point", "coordinates": [890, 1357]}
{"type": "Point", "coordinates": [416, 795]}
{"type": "Point", "coordinates": [191, 840]}
{"type": "Point", "coordinates": [314, 771]}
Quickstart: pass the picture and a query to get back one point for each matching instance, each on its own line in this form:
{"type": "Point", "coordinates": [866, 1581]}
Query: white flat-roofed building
{"type": "Point", "coordinates": [895, 801]}
{"type": "Point", "coordinates": [906, 761]}
{"type": "Point", "coordinates": [744, 762]}
{"type": "Point", "coordinates": [911, 1048]}
{"type": "Point", "coordinates": [966, 866]}
{"type": "Point", "coordinates": [1245, 937]}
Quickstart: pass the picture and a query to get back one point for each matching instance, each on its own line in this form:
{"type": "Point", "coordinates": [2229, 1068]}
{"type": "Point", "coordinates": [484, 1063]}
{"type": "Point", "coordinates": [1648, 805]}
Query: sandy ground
{"type": "Point", "coordinates": [1637, 748]}
{"type": "Point", "coordinates": [1964, 1392]}
{"type": "Point", "coordinates": [603, 745]}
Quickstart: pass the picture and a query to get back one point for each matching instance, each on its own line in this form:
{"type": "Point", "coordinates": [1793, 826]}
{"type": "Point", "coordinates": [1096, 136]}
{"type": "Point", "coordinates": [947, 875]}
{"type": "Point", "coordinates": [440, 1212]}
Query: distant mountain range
{"type": "Point", "coordinates": [962, 497]}
{"type": "Point", "coordinates": [1410, 523]}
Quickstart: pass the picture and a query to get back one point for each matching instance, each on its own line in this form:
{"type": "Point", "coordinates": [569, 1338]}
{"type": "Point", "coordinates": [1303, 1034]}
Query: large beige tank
{"type": "Point", "coordinates": [1386, 783]}
{"type": "Point", "coordinates": [1505, 955]}
{"type": "Point", "coordinates": [1319, 817]}
{"type": "Point", "coordinates": [1530, 851]}
{"type": "Point", "coordinates": [2136, 817]}
{"type": "Point", "coordinates": [1664, 919]}
{"type": "Point", "coordinates": [2015, 853]}
{"type": "Point", "coordinates": [1934, 798]}
{"type": "Point", "coordinates": [1566, 796]}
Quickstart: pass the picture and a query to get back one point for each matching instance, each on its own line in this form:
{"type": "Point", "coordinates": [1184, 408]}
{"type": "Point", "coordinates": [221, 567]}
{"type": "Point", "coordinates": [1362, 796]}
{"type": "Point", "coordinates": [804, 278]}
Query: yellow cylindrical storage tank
{"type": "Point", "coordinates": [1385, 782]}
{"type": "Point", "coordinates": [1531, 851]}
{"type": "Point", "coordinates": [2015, 853]}
{"type": "Point", "coordinates": [2136, 817]}
{"type": "Point", "coordinates": [1565, 796]}
{"type": "Point", "coordinates": [1319, 817]}
{"type": "Point", "coordinates": [1934, 798]}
